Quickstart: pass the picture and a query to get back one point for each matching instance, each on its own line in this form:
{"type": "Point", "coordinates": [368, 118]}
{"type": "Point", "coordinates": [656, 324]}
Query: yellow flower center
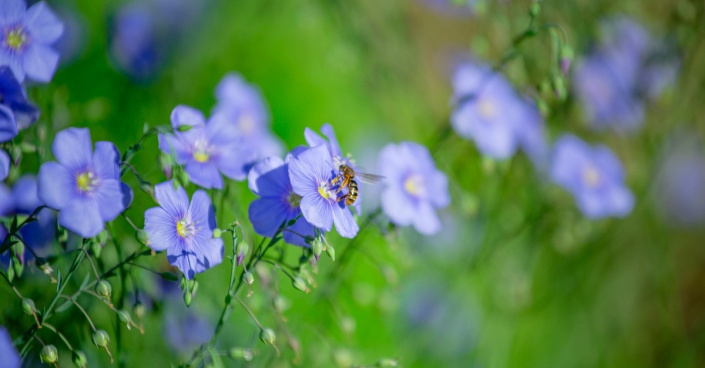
{"type": "Point", "coordinates": [15, 39]}
{"type": "Point", "coordinates": [185, 227]}
{"type": "Point", "coordinates": [487, 109]}
{"type": "Point", "coordinates": [414, 185]}
{"type": "Point", "coordinates": [200, 156]}
{"type": "Point", "coordinates": [247, 124]}
{"type": "Point", "coordinates": [85, 181]}
{"type": "Point", "coordinates": [295, 199]}
{"type": "Point", "coordinates": [591, 177]}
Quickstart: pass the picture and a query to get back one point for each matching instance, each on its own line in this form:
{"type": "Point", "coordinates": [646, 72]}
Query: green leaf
{"type": "Point", "coordinates": [169, 276]}
{"type": "Point", "coordinates": [64, 306]}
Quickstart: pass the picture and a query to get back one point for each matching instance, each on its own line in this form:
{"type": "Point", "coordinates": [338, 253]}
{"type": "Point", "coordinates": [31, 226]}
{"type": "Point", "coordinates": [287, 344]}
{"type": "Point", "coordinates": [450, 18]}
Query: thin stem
{"type": "Point", "coordinates": [129, 221]}
{"type": "Point", "coordinates": [88, 256]}
{"type": "Point", "coordinates": [250, 312]}
{"type": "Point", "coordinates": [51, 327]}
{"type": "Point", "coordinates": [81, 309]}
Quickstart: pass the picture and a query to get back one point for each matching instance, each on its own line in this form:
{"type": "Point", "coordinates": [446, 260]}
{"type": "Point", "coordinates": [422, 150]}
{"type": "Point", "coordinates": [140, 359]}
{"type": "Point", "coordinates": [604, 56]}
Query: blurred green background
{"type": "Point", "coordinates": [517, 278]}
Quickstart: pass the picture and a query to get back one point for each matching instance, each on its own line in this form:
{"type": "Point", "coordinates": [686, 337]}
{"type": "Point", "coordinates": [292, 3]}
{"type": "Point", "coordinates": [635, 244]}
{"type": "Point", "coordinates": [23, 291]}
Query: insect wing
{"type": "Point", "coordinates": [368, 178]}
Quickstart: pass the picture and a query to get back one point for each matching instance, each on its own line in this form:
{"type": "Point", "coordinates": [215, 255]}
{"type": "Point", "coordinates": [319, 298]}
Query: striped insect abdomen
{"type": "Point", "coordinates": [352, 193]}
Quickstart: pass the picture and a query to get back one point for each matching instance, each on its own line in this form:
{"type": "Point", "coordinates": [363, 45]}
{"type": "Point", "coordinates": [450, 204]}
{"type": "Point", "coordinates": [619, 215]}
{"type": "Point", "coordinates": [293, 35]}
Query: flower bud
{"type": "Point", "coordinates": [11, 271]}
{"type": "Point", "coordinates": [567, 56]}
{"type": "Point", "coordinates": [101, 338]}
{"type": "Point", "coordinates": [96, 248]}
{"type": "Point", "coordinates": [49, 354]}
{"type": "Point", "coordinates": [28, 306]}
{"type": "Point", "coordinates": [217, 233]}
{"type": "Point", "coordinates": [147, 188]}
{"type": "Point", "coordinates": [559, 87]}
{"type": "Point", "coordinates": [125, 318]}
{"type": "Point", "coordinates": [184, 128]}
{"type": "Point", "coordinates": [331, 252]}
{"type": "Point", "coordinates": [241, 354]}
{"type": "Point", "coordinates": [102, 237]}
{"type": "Point", "coordinates": [187, 298]}
{"type": "Point", "coordinates": [142, 237]}
{"type": "Point", "coordinates": [18, 267]}
{"type": "Point", "coordinates": [281, 304]}
{"type": "Point", "coordinates": [79, 359]}
{"type": "Point", "coordinates": [267, 336]}
{"type": "Point", "coordinates": [183, 178]}
{"type": "Point", "coordinates": [104, 289]}
{"type": "Point", "coordinates": [139, 310]}
{"type": "Point", "coordinates": [300, 284]}
{"type": "Point", "coordinates": [248, 278]}
{"type": "Point", "coordinates": [317, 247]}
{"type": "Point", "coordinates": [535, 9]}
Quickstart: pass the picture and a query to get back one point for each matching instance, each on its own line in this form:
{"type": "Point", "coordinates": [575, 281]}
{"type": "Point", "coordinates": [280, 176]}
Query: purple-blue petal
{"type": "Point", "coordinates": [82, 216]}
{"type": "Point", "coordinates": [10, 356]}
{"type": "Point", "coordinates": [12, 11]}
{"type": "Point", "coordinates": [310, 168]}
{"type": "Point", "coordinates": [186, 115]}
{"type": "Point", "coordinates": [39, 62]}
{"type": "Point", "coordinates": [8, 125]}
{"type": "Point", "coordinates": [25, 194]}
{"type": "Point", "coordinates": [56, 185]}
{"type": "Point", "coordinates": [261, 168]}
{"type": "Point", "coordinates": [174, 201]}
{"type": "Point", "coordinates": [106, 159]}
{"type": "Point", "coordinates": [109, 196]}
{"type": "Point", "coordinates": [204, 174]}
{"type": "Point", "coordinates": [43, 26]}
{"type": "Point", "coordinates": [4, 165]}
{"type": "Point", "coordinates": [266, 215]}
{"type": "Point", "coordinates": [161, 228]}
{"type": "Point", "coordinates": [317, 211]}
{"type": "Point", "coordinates": [295, 234]}
{"type": "Point", "coordinates": [344, 221]}
{"type": "Point", "coordinates": [72, 147]}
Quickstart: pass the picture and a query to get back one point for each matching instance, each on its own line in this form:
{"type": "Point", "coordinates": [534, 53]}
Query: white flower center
{"type": "Point", "coordinates": [591, 177]}
{"type": "Point", "coordinates": [487, 108]}
{"type": "Point", "coordinates": [414, 185]}
{"type": "Point", "coordinates": [15, 38]}
{"type": "Point", "coordinates": [86, 181]}
{"type": "Point", "coordinates": [201, 151]}
{"type": "Point", "coordinates": [185, 227]}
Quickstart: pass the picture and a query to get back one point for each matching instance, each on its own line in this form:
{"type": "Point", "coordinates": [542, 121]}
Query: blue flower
{"type": "Point", "coordinates": [593, 175]}
{"type": "Point", "coordinates": [312, 174]}
{"type": "Point", "coordinates": [183, 229]}
{"type": "Point", "coordinates": [185, 329]}
{"type": "Point", "coordinates": [415, 187]}
{"type": "Point", "coordinates": [37, 234]}
{"type": "Point", "coordinates": [207, 148]}
{"type": "Point", "coordinates": [26, 36]}
{"type": "Point", "coordinates": [627, 69]}
{"type": "Point", "coordinates": [245, 107]}
{"type": "Point", "coordinates": [84, 185]}
{"type": "Point", "coordinates": [10, 357]}
{"type": "Point", "coordinates": [16, 113]}
{"type": "Point", "coordinates": [277, 204]}
{"type": "Point", "coordinates": [4, 165]}
{"type": "Point", "coordinates": [490, 113]}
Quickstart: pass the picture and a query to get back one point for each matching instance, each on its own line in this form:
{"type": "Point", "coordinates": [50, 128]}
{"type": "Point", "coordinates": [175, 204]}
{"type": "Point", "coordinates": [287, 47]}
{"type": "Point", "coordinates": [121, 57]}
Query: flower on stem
{"type": "Point", "coordinates": [593, 175]}
{"type": "Point", "coordinates": [278, 204]}
{"type": "Point", "coordinates": [16, 113]}
{"type": "Point", "coordinates": [312, 176]}
{"type": "Point", "coordinates": [492, 114]}
{"type": "Point", "coordinates": [415, 187]}
{"type": "Point", "coordinates": [244, 106]}
{"type": "Point", "coordinates": [206, 148]}
{"type": "Point", "coordinates": [84, 185]}
{"type": "Point", "coordinates": [183, 229]}
{"type": "Point", "coordinates": [10, 357]}
{"type": "Point", "coordinates": [26, 36]}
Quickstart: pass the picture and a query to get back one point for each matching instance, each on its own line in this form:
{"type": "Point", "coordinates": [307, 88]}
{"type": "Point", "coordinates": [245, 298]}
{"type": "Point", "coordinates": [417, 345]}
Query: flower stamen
{"type": "Point", "coordinates": [15, 38]}
{"type": "Point", "coordinates": [86, 181]}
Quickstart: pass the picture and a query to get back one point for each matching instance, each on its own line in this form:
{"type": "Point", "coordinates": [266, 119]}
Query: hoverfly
{"type": "Point", "coordinates": [348, 176]}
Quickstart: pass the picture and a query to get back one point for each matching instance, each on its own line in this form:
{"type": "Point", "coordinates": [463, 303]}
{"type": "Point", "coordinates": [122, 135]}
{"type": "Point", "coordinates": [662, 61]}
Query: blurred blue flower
{"type": "Point", "coordinates": [183, 229]}
{"type": "Point", "coordinates": [9, 356]}
{"type": "Point", "coordinates": [206, 148]}
{"type": "Point", "coordinates": [626, 69]}
{"type": "Point", "coordinates": [37, 234]}
{"type": "Point", "coordinates": [27, 35]}
{"type": "Point", "coordinates": [244, 105]}
{"type": "Point", "coordinates": [454, 8]}
{"type": "Point", "coordinates": [145, 33]}
{"type": "Point", "coordinates": [4, 165]}
{"type": "Point", "coordinates": [491, 113]}
{"type": "Point", "coordinates": [680, 181]}
{"type": "Point", "coordinates": [16, 113]}
{"type": "Point", "coordinates": [312, 173]}
{"type": "Point", "coordinates": [185, 329]}
{"type": "Point", "coordinates": [84, 185]}
{"type": "Point", "coordinates": [278, 203]}
{"type": "Point", "coordinates": [593, 175]}
{"type": "Point", "coordinates": [415, 187]}
{"type": "Point", "coordinates": [73, 41]}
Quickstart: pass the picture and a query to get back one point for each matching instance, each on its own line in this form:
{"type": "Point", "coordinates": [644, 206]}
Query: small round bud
{"type": "Point", "coordinates": [49, 354]}
{"type": "Point", "coordinates": [96, 248]}
{"type": "Point", "coordinates": [567, 56]}
{"type": "Point", "coordinates": [241, 354]}
{"type": "Point", "coordinates": [317, 247]}
{"type": "Point", "coordinates": [242, 248]}
{"type": "Point", "coordinates": [300, 284]}
{"type": "Point", "coordinates": [124, 317]}
{"type": "Point", "coordinates": [18, 266]}
{"type": "Point", "coordinates": [142, 237]}
{"type": "Point", "coordinates": [104, 289]}
{"type": "Point", "coordinates": [331, 252]}
{"type": "Point", "coordinates": [28, 306]}
{"type": "Point", "coordinates": [249, 278]}
{"type": "Point", "coordinates": [101, 338]}
{"type": "Point", "coordinates": [535, 9]}
{"type": "Point", "coordinates": [183, 178]}
{"type": "Point", "coordinates": [79, 359]}
{"type": "Point", "coordinates": [139, 310]}
{"type": "Point", "coordinates": [267, 336]}
{"type": "Point", "coordinates": [387, 363]}
{"type": "Point", "coordinates": [188, 297]}
{"type": "Point", "coordinates": [217, 233]}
